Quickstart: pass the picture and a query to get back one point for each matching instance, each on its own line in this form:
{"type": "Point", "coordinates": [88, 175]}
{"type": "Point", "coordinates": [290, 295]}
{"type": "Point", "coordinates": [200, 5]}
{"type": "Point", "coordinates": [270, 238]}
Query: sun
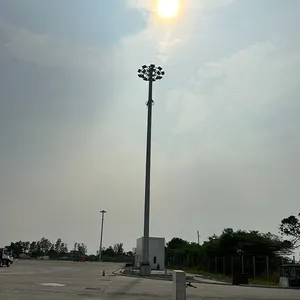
{"type": "Point", "coordinates": [168, 8]}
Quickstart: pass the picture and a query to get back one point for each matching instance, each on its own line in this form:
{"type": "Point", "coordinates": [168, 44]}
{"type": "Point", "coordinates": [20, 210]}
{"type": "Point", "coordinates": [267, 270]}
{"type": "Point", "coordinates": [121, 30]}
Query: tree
{"type": "Point", "coordinates": [178, 249]}
{"type": "Point", "coordinates": [290, 227]}
{"type": "Point", "coordinates": [118, 249]}
{"type": "Point", "coordinates": [250, 242]}
{"type": "Point", "coordinates": [17, 248]}
{"type": "Point", "coordinates": [109, 252]}
{"type": "Point", "coordinates": [57, 245]}
{"type": "Point", "coordinates": [75, 246]}
{"type": "Point", "coordinates": [81, 248]}
{"type": "Point", "coordinates": [45, 246]}
{"type": "Point", "coordinates": [26, 246]}
{"type": "Point", "coordinates": [219, 252]}
{"type": "Point", "coordinates": [63, 248]}
{"type": "Point", "coordinates": [52, 252]}
{"type": "Point", "coordinates": [33, 248]}
{"type": "Point", "coordinates": [177, 243]}
{"type": "Point", "coordinates": [39, 248]}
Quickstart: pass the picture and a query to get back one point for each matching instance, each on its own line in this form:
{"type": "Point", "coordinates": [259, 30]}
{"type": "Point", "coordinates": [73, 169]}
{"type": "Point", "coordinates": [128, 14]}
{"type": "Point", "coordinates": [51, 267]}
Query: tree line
{"type": "Point", "coordinates": [116, 253]}
{"type": "Point", "coordinates": [44, 247]}
{"type": "Point", "coordinates": [255, 252]}
{"type": "Point", "coordinates": [59, 250]}
{"type": "Point", "coordinates": [218, 252]}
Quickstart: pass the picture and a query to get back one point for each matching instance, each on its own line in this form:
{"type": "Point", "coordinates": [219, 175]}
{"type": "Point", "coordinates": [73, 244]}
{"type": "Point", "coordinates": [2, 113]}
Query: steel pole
{"type": "Point", "coordinates": [145, 257]}
{"type": "Point", "coordinates": [101, 234]}
{"type": "Point", "coordinates": [148, 73]}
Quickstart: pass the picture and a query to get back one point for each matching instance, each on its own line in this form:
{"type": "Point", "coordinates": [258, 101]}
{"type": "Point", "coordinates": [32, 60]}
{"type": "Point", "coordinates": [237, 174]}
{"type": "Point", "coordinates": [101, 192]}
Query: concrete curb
{"type": "Point", "coordinates": [249, 285]}
{"type": "Point", "coordinates": [223, 283]}
{"type": "Point", "coordinates": [164, 278]}
{"type": "Point", "coordinates": [270, 287]}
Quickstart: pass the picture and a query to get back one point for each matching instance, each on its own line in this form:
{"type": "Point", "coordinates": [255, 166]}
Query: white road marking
{"type": "Point", "coordinates": [52, 284]}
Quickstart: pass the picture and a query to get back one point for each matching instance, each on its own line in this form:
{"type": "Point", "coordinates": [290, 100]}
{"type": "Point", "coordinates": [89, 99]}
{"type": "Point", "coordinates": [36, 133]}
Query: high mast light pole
{"type": "Point", "coordinates": [151, 74]}
{"type": "Point", "coordinates": [103, 212]}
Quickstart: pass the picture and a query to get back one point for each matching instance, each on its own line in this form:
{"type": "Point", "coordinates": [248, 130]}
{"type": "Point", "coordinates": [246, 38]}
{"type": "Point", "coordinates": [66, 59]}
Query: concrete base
{"type": "Point", "coordinates": [145, 270]}
{"type": "Point", "coordinates": [179, 285]}
{"type": "Point", "coordinates": [284, 282]}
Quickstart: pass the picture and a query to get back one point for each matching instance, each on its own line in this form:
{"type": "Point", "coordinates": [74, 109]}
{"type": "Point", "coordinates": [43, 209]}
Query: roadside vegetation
{"type": "Point", "coordinates": [257, 254]}
{"type": "Point", "coordinates": [45, 249]}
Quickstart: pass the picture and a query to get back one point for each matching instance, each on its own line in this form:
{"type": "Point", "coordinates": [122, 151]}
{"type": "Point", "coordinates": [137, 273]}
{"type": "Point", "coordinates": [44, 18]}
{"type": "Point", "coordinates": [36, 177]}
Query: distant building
{"type": "Point", "coordinates": [156, 253]}
{"type": "Point", "coordinates": [45, 257]}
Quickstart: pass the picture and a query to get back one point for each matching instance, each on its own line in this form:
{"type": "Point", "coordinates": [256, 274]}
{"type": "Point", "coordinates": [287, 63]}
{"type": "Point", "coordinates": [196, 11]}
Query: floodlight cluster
{"type": "Point", "coordinates": [151, 71]}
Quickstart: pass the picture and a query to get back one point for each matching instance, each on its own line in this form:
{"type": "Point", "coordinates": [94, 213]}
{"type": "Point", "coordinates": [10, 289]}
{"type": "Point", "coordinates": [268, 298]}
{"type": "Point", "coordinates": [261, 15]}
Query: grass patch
{"type": "Point", "coordinates": [262, 281]}
{"type": "Point", "coordinates": [221, 277]}
{"type": "Point", "coordinates": [208, 274]}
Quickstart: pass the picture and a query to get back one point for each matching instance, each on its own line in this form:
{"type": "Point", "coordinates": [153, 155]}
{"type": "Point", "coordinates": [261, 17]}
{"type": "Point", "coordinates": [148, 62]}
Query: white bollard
{"type": "Point", "coordinates": [179, 288]}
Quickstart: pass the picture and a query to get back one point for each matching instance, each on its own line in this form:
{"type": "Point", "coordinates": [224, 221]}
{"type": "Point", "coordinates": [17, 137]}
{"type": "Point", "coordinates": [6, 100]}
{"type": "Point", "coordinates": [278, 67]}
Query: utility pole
{"type": "Point", "coordinates": [198, 235]}
{"type": "Point", "coordinates": [149, 73]}
{"type": "Point", "coordinates": [101, 233]}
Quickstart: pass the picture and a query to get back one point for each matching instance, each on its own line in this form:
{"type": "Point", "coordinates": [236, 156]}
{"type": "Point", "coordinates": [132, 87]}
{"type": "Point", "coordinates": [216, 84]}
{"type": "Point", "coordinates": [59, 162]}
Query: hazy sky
{"type": "Point", "coordinates": [226, 138]}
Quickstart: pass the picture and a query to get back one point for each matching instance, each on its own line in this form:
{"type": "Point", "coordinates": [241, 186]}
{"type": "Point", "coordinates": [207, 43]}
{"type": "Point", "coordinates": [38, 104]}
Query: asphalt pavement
{"type": "Point", "coordinates": [60, 280]}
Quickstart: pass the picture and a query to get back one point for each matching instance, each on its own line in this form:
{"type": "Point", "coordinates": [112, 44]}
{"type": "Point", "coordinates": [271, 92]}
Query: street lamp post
{"type": "Point", "coordinates": [149, 73]}
{"type": "Point", "coordinates": [198, 235]}
{"type": "Point", "coordinates": [101, 233]}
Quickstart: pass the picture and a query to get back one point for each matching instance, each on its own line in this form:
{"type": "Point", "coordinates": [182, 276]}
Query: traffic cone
{"type": "Point", "coordinates": [103, 273]}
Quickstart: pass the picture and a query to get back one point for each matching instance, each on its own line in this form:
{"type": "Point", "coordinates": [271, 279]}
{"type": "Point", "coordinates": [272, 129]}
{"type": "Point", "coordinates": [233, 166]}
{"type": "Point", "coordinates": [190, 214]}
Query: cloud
{"type": "Point", "coordinates": [246, 83]}
{"type": "Point", "coordinates": [47, 51]}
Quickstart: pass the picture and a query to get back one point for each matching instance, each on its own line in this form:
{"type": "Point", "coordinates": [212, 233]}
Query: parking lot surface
{"type": "Point", "coordinates": [59, 280]}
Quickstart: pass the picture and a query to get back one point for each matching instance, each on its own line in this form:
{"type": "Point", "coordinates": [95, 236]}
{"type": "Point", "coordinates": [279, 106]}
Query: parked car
{"type": "Point", "coordinates": [6, 258]}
